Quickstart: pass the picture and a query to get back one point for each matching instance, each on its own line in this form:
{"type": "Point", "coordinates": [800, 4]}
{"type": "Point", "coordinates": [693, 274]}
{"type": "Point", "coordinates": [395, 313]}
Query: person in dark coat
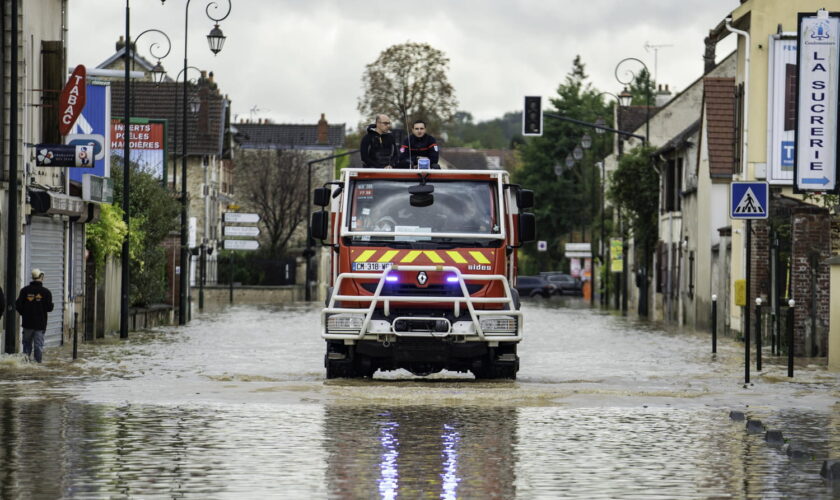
{"type": "Point", "coordinates": [33, 304]}
{"type": "Point", "coordinates": [378, 148]}
{"type": "Point", "coordinates": [419, 144]}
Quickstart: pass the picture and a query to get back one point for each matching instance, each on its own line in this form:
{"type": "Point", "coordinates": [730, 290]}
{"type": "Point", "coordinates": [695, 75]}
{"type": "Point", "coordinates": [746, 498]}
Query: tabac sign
{"type": "Point", "coordinates": [71, 100]}
{"type": "Point", "coordinates": [816, 165]}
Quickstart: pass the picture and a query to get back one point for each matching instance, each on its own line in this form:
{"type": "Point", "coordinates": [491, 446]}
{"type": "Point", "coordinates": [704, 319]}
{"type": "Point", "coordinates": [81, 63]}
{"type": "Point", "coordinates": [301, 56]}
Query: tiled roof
{"type": "Point", "coordinates": [632, 117]}
{"type": "Point", "coordinates": [283, 136]}
{"type": "Point", "coordinates": [719, 102]}
{"type": "Point", "coordinates": [205, 134]}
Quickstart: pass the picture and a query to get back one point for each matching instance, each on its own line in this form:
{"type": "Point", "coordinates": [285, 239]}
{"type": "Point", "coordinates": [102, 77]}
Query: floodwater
{"type": "Point", "coordinates": [235, 405]}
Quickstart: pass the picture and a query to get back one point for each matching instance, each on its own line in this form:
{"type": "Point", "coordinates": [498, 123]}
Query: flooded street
{"type": "Point", "coordinates": [235, 405]}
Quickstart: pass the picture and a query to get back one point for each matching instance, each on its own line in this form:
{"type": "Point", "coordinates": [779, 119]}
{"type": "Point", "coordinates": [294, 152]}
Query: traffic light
{"type": "Point", "coordinates": [532, 117]}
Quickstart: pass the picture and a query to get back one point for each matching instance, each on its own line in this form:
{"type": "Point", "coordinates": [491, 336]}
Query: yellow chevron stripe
{"type": "Point", "coordinates": [433, 256]}
{"type": "Point", "coordinates": [364, 256]}
{"type": "Point", "coordinates": [456, 257]}
{"type": "Point", "coordinates": [410, 256]}
{"type": "Point", "coordinates": [388, 256]}
{"type": "Point", "coordinates": [479, 257]}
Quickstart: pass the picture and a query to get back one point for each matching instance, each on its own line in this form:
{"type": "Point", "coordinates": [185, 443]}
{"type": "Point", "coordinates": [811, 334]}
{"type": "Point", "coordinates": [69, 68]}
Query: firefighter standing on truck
{"type": "Point", "coordinates": [378, 148]}
{"type": "Point", "coordinates": [418, 144]}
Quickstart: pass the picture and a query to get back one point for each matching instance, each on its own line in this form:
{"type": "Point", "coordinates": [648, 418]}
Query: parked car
{"type": "Point", "coordinates": [565, 284]}
{"type": "Point", "coordinates": [534, 286]}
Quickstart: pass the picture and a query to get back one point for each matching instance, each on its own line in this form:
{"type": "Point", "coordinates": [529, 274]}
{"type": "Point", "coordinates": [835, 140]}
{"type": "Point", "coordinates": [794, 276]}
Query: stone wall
{"type": "Point", "coordinates": [215, 296]}
{"type": "Point", "coordinates": [810, 279]}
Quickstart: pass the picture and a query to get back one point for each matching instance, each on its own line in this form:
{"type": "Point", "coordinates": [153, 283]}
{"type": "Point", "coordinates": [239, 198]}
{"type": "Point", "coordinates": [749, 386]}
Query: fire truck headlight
{"type": "Point", "coordinates": [499, 324]}
{"type": "Point", "coordinates": [345, 322]}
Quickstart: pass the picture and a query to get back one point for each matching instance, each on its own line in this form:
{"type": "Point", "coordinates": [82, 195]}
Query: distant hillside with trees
{"type": "Point", "coordinates": [499, 133]}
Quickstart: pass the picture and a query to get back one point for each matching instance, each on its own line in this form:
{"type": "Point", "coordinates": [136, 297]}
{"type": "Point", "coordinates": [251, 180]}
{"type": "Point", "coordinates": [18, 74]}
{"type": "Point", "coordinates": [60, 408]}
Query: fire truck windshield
{"type": "Point", "coordinates": [461, 210]}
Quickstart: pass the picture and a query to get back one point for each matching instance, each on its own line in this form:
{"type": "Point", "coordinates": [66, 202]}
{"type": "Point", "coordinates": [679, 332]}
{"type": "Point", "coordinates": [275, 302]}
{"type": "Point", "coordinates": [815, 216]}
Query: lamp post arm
{"type": "Point", "coordinates": [595, 126]}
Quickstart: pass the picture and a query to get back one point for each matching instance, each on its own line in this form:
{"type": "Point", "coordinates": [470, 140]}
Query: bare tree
{"type": "Point", "coordinates": [408, 81]}
{"type": "Point", "coordinates": [273, 184]}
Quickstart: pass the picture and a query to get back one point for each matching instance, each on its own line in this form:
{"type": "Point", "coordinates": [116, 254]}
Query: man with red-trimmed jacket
{"type": "Point", "coordinates": [417, 145]}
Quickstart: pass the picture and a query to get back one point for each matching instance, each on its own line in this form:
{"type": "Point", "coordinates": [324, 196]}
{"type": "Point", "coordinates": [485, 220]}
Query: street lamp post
{"type": "Point", "coordinates": [157, 74]}
{"type": "Point", "coordinates": [216, 40]}
{"type": "Point", "coordinates": [625, 98]}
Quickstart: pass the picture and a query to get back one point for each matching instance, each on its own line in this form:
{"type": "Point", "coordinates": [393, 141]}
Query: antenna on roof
{"type": "Point", "coordinates": [254, 110]}
{"type": "Point", "coordinates": [655, 48]}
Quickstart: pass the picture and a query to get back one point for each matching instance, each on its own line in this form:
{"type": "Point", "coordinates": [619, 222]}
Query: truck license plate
{"type": "Point", "coordinates": [371, 266]}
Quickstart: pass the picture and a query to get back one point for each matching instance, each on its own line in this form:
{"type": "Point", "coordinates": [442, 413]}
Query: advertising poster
{"type": "Point", "coordinates": [146, 143]}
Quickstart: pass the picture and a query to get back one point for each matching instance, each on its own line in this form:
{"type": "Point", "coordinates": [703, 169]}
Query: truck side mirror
{"type": "Point", "coordinates": [525, 199]}
{"type": "Point", "coordinates": [320, 225]}
{"type": "Point", "coordinates": [527, 227]}
{"type": "Point", "coordinates": [321, 196]}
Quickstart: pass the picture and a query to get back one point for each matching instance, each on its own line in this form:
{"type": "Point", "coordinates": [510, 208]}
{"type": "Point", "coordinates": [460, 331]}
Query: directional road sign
{"type": "Point", "coordinates": [242, 231]}
{"type": "Point", "coordinates": [241, 218]}
{"type": "Point", "coordinates": [748, 200]}
{"type": "Point", "coordinates": [241, 244]}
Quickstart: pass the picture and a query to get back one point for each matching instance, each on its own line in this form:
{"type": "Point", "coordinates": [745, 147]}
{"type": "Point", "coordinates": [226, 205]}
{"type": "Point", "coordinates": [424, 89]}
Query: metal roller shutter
{"type": "Point", "coordinates": [45, 250]}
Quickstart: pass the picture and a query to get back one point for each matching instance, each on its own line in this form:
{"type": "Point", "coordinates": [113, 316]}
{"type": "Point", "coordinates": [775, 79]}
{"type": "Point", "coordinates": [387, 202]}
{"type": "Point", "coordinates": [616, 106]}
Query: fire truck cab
{"type": "Point", "coordinates": [423, 267]}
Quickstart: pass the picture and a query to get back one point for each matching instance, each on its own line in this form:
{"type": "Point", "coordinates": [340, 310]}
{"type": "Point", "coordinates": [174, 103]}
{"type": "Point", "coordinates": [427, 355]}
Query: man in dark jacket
{"type": "Point", "coordinates": [33, 304]}
{"type": "Point", "coordinates": [418, 144]}
{"type": "Point", "coordinates": [378, 148]}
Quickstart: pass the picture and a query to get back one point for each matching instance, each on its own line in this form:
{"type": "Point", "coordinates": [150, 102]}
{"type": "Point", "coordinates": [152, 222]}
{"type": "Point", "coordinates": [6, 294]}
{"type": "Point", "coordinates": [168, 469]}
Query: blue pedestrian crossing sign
{"type": "Point", "coordinates": [748, 200]}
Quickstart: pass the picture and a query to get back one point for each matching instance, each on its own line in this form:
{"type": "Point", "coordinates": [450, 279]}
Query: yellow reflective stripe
{"type": "Point", "coordinates": [410, 256]}
{"type": "Point", "coordinates": [479, 257]}
{"type": "Point", "coordinates": [387, 256]}
{"type": "Point", "coordinates": [433, 256]}
{"type": "Point", "coordinates": [364, 256]}
{"type": "Point", "coordinates": [456, 257]}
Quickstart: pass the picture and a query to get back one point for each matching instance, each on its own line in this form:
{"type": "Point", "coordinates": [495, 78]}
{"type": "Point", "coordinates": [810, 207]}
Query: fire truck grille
{"type": "Point", "coordinates": [408, 290]}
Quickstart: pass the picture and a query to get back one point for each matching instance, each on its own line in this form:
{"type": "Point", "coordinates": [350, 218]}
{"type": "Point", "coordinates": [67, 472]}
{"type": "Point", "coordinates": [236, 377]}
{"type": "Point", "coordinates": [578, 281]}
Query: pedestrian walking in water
{"type": "Point", "coordinates": [33, 304]}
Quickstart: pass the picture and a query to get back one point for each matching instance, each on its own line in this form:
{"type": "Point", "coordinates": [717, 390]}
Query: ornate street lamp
{"type": "Point", "coordinates": [216, 40]}
{"type": "Point", "coordinates": [625, 97]}
{"type": "Point", "coordinates": [586, 141]}
{"type": "Point", "coordinates": [577, 153]}
{"type": "Point", "coordinates": [570, 162]}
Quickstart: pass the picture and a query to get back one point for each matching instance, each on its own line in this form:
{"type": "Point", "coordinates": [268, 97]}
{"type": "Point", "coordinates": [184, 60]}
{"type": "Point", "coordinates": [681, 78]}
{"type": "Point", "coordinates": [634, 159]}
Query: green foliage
{"type": "Point", "coordinates": [105, 236]}
{"type": "Point", "coordinates": [154, 214]}
{"type": "Point", "coordinates": [634, 188]}
{"type": "Point", "coordinates": [643, 89]}
{"type": "Point", "coordinates": [499, 133]}
{"type": "Point", "coordinates": [570, 201]}
{"type": "Point", "coordinates": [409, 81]}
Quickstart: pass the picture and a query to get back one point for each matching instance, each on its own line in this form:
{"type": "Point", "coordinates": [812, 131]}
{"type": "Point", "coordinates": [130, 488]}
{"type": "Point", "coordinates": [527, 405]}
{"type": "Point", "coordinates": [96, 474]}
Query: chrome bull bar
{"type": "Point", "coordinates": [386, 300]}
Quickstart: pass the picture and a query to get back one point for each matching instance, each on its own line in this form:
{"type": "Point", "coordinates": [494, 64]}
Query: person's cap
{"type": "Point", "coordinates": [37, 274]}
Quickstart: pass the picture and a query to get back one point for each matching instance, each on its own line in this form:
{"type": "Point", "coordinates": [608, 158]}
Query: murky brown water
{"type": "Point", "coordinates": [235, 406]}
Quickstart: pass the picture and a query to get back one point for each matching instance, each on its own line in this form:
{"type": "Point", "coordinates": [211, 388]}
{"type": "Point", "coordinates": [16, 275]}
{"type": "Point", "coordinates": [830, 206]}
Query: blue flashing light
{"type": "Point", "coordinates": [391, 278]}
{"type": "Point", "coordinates": [452, 279]}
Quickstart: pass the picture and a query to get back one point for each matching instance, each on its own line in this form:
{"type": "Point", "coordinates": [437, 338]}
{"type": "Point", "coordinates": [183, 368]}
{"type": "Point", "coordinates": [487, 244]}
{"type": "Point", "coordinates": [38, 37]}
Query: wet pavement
{"type": "Point", "coordinates": [235, 405]}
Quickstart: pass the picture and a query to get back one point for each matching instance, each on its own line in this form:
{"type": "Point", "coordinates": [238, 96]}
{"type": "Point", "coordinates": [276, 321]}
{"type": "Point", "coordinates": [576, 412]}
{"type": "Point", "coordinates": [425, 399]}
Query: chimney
{"type": "Point", "coordinates": [663, 95]}
{"type": "Point", "coordinates": [120, 43]}
{"type": "Point", "coordinates": [323, 131]}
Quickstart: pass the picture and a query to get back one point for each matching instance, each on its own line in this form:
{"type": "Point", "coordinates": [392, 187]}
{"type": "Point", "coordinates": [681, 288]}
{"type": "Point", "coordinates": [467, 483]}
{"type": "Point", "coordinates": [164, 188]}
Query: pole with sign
{"type": "Point", "coordinates": [229, 231]}
{"type": "Point", "coordinates": [815, 157]}
{"type": "Point", "coordinates": [748, 201]}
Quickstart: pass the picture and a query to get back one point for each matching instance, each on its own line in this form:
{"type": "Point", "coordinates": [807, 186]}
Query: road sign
{"type": "Point", "coordinates": [61, 155]}
{"type": "Point", "coordinates": [71, 100]}
{"type": "Point", "coordinates": [815, 159]}
{"type": "Point", "coordinates": [542, 246]}
{"type": "Point", "coordinates": [242, 231]}
{"type": "Point", "coordinates": [241, 218]}
{"type": "Point", "coordinates": [748, 200]}
{"type": "Point", "coordinates": [241, 244]}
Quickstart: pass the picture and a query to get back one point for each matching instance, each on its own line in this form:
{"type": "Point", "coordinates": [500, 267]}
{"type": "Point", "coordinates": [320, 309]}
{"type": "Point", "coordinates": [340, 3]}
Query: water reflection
{"type": "Point", "coordinates": [421, 452]}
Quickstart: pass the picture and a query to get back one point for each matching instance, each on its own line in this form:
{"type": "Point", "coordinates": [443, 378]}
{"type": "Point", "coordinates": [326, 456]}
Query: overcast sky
{"type": "Point", "coordinates": [290, 60]}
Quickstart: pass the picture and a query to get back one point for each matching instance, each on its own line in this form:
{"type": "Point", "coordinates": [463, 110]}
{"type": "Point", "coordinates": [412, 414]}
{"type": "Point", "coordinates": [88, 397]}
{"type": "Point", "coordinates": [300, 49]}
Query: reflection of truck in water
{"type": "Point", "coordinates": [423, 265]}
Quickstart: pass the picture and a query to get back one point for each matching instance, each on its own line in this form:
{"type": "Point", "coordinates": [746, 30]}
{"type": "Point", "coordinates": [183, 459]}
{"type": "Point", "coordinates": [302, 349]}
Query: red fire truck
{"type": "Point", "coordinates": [423, 264]}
